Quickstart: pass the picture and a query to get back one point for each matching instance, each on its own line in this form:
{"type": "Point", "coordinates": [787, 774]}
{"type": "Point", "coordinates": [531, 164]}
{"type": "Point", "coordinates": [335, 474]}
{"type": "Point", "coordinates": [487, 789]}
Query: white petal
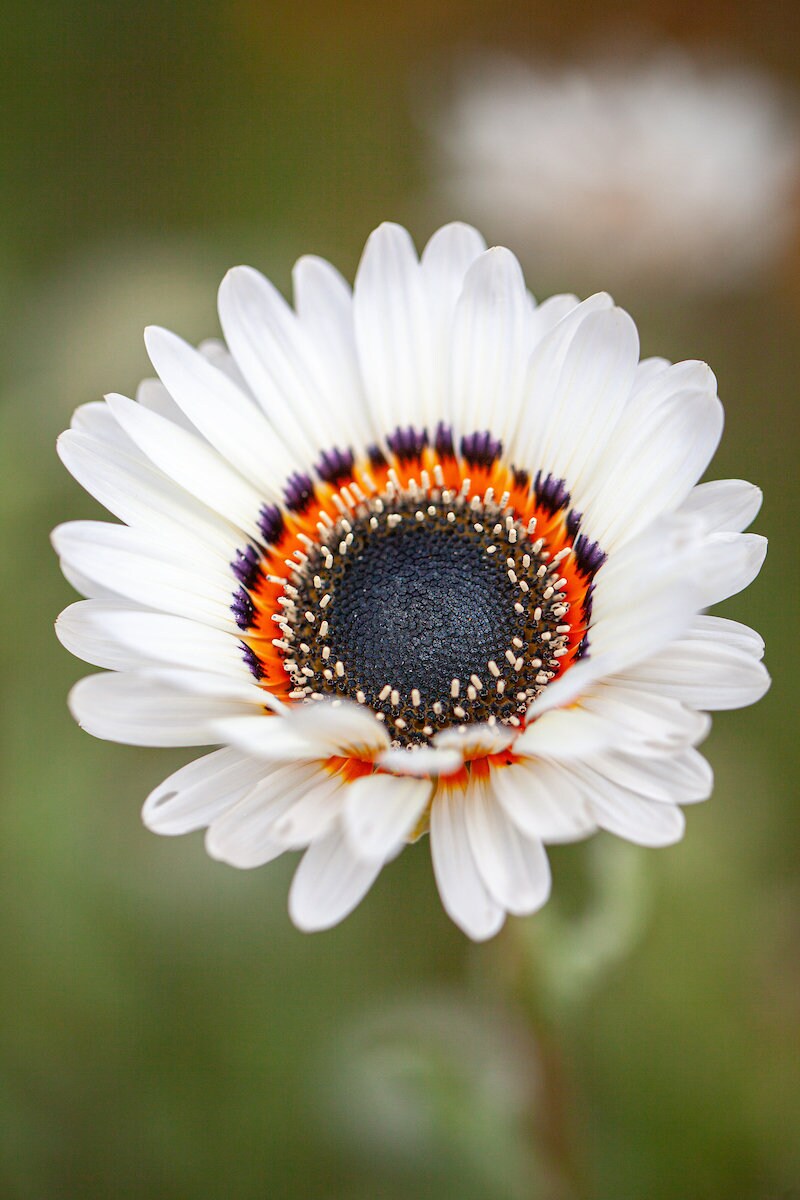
{"type": "Point", "coordinates": [242, 835]}
{"type": "Point", "coordinates": [655, 385]}
{"type": "Point", "coordinates": [705, 675]}
{"type": "Point", "coordinates": [611, 715]}
{"type": "Point", "coordinates": [445, 261]}
{"type": "Point", "coordinates": [224, 686]}
{"type": "Point", "coordinates": [195, 795]}
{"type": "Point", "coordinates": [683, 778]}
{"type": "Point", "coordinates": [86, 638]}
{"type": "Point", "coordinates": [731, 633]}
{"type": "Point", "coordinates": [544, 801]}
{"type": "Point", "coordinates": [140, 711]}
{"type": "Point", "coordinates": [422, 760]}
{"type": "Point", "coordinates": [648, 370]}
{"type": "Point", "coordinates": [319, 730]}
{"type": "Point", "coordinates": [732, 562]}
{"type": "Point", "coordinates": [218, 354]}
{"type": "Point", "coordinates": [152, 394]}
{"type": "Point", "coordinates": [312, 815]}
{"type": "Point", "coordinates": [192, 463]}
{"type": "Point", "coordinates": [659, 454]}
{"type": "Point", "coordinates": [115, 635]}
{"type": "Point", "coordinates": [393, 331]}
{"type": "Point", "coordinates": [724, 505]}
{"type": "Point", "coordinates": [475, 740]}
{"type": "Point", "coordinates": [95, 420]}
{"type": "Point", "coordinates": [324, 304]}
{"type": "Point", "coordinates": [646, 594]}
{"type": "Point", "coordinates": [608, 717]}
{"type": "Point", "coordinates": [277, 359]}
{"type": "Point", "coordinates": [567, 733]}
{"type": "Point", "coordinates": [86, 586]}
{"type": "Point", "coordinates": [139, 494]}
{"type": "Point", "coordinates": [380, 811]}
{"type": "Point", "coordinates": [145, 569]}
{"type": "Point", "coordinates": [489, 346]}
{"type": "Point", "coordinates": [545, 316]}
{"type": "Point", "coordinates": [513, 867]}
{"type": "Point", "coordinates": [570, 415]}
{"type": "Point", "coordinates": [329, 883]}
{"type": "Point", "coordinates": [219, 409]}
{"type": "Point", "coordinates": [645, 822]}
{"type": "Point", "coordinates": [464, 895]}
{"type": "Point", "coordinates": [270, 739]}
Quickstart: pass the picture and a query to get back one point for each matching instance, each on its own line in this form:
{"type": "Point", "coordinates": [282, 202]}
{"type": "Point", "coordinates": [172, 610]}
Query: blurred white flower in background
{"type": "Point", "coordinates": [654, 170]}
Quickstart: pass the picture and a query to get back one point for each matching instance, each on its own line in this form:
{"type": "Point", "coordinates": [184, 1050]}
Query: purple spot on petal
{"type": "Point", "coordinates": [270, 522]}
{"type": "Point", "coordinates": [252, 660]}
{"type": "Point", "coordinates": [298, 491]}
{"type": "Point", "coordinates": [443, 442]}
{"type": "Point", "coordinates": [407, 443]}
{"type": "Point", "coordinates": [481, 449]}
{"type": "Point", "coordinates": [551, 493]}
{"type": "Point", "coordinates": [376, 457]}
{"type": "Point", "coordinates": [247, 566]}
{"type": "Point", "coordinates": [589, 557]}
{"type": "Point", "coordinates": [335, 465]}
{"type": "Point", "coordinates": [574, 519]}
{"type": "Point", "coordinates": [242, 609]}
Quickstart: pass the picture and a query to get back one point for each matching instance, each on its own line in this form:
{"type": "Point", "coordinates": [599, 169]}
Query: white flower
{"type": "Point", "coordinates": [654, 169]}
{"type": "Point", "coordinates": [423, 556]}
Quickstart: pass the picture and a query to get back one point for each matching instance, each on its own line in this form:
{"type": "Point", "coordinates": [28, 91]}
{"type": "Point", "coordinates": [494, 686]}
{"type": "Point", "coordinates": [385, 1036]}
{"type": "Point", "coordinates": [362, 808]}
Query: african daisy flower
{"type": "Point", "coordinates": [421, 558]}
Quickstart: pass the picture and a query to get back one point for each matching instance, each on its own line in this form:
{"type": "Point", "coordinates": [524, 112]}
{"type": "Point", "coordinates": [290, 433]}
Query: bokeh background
{"type": "Point", "coordinates": [164, 1031]}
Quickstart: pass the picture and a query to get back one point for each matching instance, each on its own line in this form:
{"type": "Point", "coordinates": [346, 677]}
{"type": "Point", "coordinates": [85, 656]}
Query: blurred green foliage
{"type": "Point", "coordinates": [165, 1031]}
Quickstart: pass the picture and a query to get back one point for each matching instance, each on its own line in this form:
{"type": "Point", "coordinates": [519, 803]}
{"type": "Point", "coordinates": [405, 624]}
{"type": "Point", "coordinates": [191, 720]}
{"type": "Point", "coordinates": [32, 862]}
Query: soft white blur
{"type": "Point", "coordinates": [654, 169]}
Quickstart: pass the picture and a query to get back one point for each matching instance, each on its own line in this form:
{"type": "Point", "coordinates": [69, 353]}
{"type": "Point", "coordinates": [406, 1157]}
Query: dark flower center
{"type": "Point", "coordinates": [434, 611]}
{"type": "Point", "coordinates": [419, 605]}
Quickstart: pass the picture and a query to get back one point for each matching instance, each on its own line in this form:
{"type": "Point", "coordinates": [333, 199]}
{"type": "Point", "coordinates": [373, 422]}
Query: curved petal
{"type": "Point", "coordinates": [278, 361]}
{"type": "Point", "coordinates": [146, 569]}
{"type": "Point", "coordinates": [226, 417]}
{"type": "Point", "coordinates": [380, 811]}
{"type": "Point", "coordinates": [198, 793]}
{"type": "Point", "coordinates": [658, 456]}
{"type": "Point", "coordinates": [464, 895]}
{"type": "Point", "coordinates": [393, 332]}
{"type": "Point", "coordinates": [544, 801]}
{"type": "Point", "coordinates": [513, 867]}
{"type": "Point", "coordinates": [242, 835]}
{"type": "Point", "coordinates": [629, 816]}
{"type": "Point", "coordinates": [324, 304]}
{"type": "Point", "coordinates": [732, 562]}
{"type": "Point", "coordinates": [705, 675]}
{"type": "Point", "coordinates": [724, 505]}
{"type": "Point", "coordinates": [115, 635]}
{"type": "Point", "coordinates": [329, 883]}
{"type": "Point", "coordinates": [489, 346]}
{"type": "Point", "coordinates": [421, 760]}
{"type": "Point", "coordinates": [139, 494]}
{"type": "Point", "coordinates": [141, 711]}
{"type": "Point", "coordinates": [320, 730]}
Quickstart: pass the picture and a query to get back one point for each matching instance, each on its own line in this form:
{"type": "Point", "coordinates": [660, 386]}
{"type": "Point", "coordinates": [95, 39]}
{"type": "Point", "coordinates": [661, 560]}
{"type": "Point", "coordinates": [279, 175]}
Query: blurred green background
{"type": "Point", "coordinates": [165, 1032]}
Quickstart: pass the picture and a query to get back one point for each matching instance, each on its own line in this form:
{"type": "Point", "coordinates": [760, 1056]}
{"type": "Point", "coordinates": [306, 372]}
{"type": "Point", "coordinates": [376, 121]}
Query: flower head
{"type": "Point", "coordinates": [656, 169]}
{"type": "Point", "coordinates": [423, 557]}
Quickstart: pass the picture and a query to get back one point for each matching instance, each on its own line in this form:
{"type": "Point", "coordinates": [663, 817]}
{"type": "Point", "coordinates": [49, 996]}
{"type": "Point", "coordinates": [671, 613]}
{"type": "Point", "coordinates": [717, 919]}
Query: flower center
{"type": "Point", "coordinates": [431, 611]}
{"type": "Point", "coordinates": [437, 589]}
